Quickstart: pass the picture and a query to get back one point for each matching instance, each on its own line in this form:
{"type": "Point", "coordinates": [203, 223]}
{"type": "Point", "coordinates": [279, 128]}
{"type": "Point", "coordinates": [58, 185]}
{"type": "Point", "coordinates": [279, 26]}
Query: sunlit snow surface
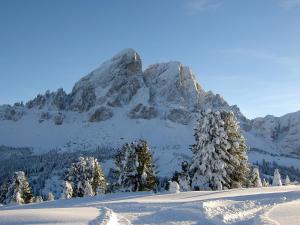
{"type": "Point", "coordinates": [272, 205]}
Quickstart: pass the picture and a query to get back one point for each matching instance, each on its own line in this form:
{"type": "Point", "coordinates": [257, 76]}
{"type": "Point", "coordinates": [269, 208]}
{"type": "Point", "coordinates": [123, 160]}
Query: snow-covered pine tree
{"type": "Point", "coordinates": [134, 167]}
{"type": "Point", "coordinates": [146, 179]}
{"type": "Point", "coordinates": [99, 183]}
{"type": "Point", "coordinates": [237, 166]}
{"type": "Point", "coordinates": [277, 178]}
{"type": "Point", "coordinates": [255, 180]}
{"type": "Point", "coordinates": [86, 174]}
{"type": "Point", "coordinates": [287, 180]}
{"type": "Point", "coordinates": [67, 191]}
{"type": "Point", "coordinates": [50, 196]}
{"type": "Point", "coordinates": [184, 177]}
{"type": "Point", "coordinates": [19, 190]}
{"type": "Point", "coordinates": [126, 168]}
{"type": "Point", "coordinates": [3, 191]}
{"type": "Point", "coordinates": [219, 154]}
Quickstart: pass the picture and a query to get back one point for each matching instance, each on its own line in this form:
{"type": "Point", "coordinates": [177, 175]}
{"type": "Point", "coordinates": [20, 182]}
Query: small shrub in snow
{"type": "Point", "coordinates": [67, 191]}
{"type": "Point", "coordinates": [277, 178]}
{"type": "Point", "coordinates": [265, 183]}
{"type": "Point", "coordinates": [287, 180]}
{"type": "Point", "coordinates": [174, 187]}
{"type": "Point", "coordinates": [38, 199]}
{"type": "Point", "coordinates": [50, 196]}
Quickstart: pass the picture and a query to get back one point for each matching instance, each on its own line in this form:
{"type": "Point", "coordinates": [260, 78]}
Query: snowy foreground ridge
{"type": "Point", "coordinates": [271, 205]}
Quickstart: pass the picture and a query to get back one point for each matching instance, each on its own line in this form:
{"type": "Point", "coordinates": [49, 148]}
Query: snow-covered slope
{"type": "Point", "coordinates": [269, 205]}
{"type": "Point", "coordinates": [283, 133]}
{"type": "Point", "coordinates": [119, 102]}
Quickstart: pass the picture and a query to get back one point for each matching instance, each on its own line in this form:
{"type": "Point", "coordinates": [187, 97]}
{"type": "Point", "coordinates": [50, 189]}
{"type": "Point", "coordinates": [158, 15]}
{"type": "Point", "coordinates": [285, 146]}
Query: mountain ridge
{"type": "Point", "coordinates": [119, 101]}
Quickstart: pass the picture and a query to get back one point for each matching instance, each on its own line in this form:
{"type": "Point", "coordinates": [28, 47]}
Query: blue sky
{"type": "Point", "coordinates": [247, 51]}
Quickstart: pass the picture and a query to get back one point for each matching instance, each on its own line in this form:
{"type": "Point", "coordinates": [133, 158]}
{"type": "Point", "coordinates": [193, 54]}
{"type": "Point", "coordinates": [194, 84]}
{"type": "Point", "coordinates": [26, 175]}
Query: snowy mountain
{"type": "Point", "coordinates": [119, 102]}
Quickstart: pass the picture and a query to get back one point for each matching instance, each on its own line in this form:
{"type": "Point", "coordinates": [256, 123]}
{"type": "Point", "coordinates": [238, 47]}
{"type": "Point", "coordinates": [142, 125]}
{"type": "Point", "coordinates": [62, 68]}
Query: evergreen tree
{"type": "Point", "coordinates": [19, 190]}
{"type": "Point", "coordinates": [86, 178]}
{"type": "Point", "coordinates": [99, 183]}
{"type": "Point", "coordinates": [67, 191]}
{"type": "Point", "coordinates": [219, 154]}
{"type": "Point", "coordinates": [287, 180]}
{"type": "Point", "coordinates": [184, 177]}
{"type": "Point", "coordinates": [3, 191]}
{"type": "Point", "coordinates": [255, 180]}
{"type": "Point", "coordinates": [277, 178]}
{"type": "Point", "coordinates": [146, 179]}
{"type": "Point", "coordinates": [134, 167]}
{"type": "Point", "coordinates": [126, 164]}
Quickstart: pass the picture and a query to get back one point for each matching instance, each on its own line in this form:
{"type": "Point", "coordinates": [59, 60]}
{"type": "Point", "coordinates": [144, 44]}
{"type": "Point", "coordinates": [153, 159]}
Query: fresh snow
{"type": "Point", "coordinates": [271, 205]}
{"type": "Point", "coordinates": [285, 213]}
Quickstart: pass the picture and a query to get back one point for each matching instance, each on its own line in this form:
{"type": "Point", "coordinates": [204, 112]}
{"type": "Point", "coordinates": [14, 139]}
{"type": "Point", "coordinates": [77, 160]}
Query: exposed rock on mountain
{"type": "Point", "coordinates": [283, 131]}
{"type": "Point", "coordinates": [143, 112]}
{"type": "Point", "coordinates": [101, 114]}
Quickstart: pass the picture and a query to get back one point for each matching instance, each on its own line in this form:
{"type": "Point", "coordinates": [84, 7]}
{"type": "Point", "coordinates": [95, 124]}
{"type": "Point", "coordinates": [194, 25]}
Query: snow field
{"type": "Point", "coordinates": [271, 205]}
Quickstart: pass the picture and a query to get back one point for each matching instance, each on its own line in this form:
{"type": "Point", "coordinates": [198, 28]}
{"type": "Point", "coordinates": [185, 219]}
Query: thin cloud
{"type": "Point", "coordinates": [196, 6]}
{"type": "Point", "coordinates": [289, 4]}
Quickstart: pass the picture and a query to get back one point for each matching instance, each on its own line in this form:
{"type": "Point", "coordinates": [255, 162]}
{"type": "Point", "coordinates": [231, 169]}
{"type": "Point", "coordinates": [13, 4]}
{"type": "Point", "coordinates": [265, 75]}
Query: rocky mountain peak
{"type": "Point", "coordinates": [115, 77]}
{"type": "Point", "coordinates": [172, 83]}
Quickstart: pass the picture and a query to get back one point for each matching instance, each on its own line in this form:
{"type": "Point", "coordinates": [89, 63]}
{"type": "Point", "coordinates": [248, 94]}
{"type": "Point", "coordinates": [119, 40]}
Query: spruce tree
{"type": "Point", "coordinates": [134, 167]}
{"type": "Point", "coordinates": [219, 154]}
{"type": "Point", "coordinates": [237, 165]}
{"type": "Point", "coordinates": [19, 190]}
{"type": "Point", "coordinates": [86, 178]}
{"type": "Point", "coordinates": [126, 164]}
{"type": "Point", "coordinates": [184, 177]}
{"type": "Point", "coordinates": [146, 179]}
{"type": "Point", "coordinates": [3, 191]}
{"type": "Point", "coordinates": [98, 183]}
